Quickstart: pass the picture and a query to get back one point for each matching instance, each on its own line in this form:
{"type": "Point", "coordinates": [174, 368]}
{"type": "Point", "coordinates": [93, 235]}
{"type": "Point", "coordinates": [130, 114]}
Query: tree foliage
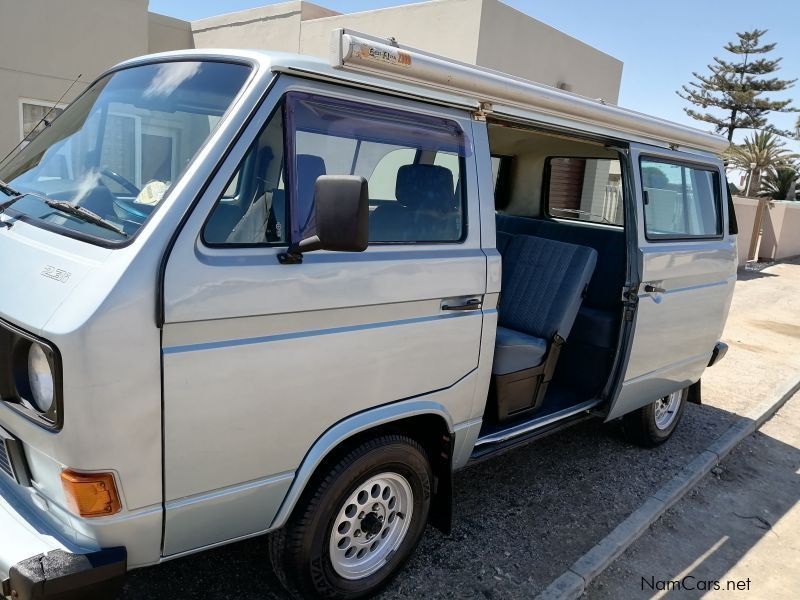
{"type": "Point", "coordinates": [760, 152]}
{"type": "Point", "coordinates": [737, 88]}
{"type": "Point", "coordinates": [779, 183]}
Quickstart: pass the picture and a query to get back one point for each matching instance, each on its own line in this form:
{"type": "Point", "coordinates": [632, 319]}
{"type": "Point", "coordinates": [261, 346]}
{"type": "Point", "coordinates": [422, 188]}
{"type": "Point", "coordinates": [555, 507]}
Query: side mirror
{"type": "Point", "coordinates": [341, 205]}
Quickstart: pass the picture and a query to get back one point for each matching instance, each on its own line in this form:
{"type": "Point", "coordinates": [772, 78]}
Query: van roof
{"type": "Point", "coordinates": [531, 102]}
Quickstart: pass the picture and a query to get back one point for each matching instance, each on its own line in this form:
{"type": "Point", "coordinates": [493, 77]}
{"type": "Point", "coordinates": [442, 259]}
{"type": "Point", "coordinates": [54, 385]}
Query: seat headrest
{"type": "Point", "coordinates": [309, 167]}
{"type": "Point", "coordinates": [425, 186]}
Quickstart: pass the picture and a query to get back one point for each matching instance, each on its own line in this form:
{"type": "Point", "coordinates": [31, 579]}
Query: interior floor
{"type": "Point", "coordinates": [566, 191]}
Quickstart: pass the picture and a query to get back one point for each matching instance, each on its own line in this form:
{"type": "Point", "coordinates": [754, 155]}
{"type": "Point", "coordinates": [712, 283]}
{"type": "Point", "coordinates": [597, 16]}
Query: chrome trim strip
{"type": "Point", "coordinates": [532, 425]}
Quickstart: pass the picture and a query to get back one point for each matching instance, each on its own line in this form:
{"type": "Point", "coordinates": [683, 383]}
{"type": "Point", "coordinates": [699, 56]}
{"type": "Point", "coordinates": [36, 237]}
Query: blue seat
{"type": "Point", "coordinates": [598, 320]}
{"type": "Point", "coordinates": [426, 208]}
{"type": "Point", "coordinates": [544, 282]}
{"type": "Point", "coordinates": [515, 351]}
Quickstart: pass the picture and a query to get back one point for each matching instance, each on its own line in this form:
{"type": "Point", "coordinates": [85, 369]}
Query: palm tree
{"type": "Point", "coordinates": [760, 152]}
{"type": "Point", "coordinates": [779, 183]}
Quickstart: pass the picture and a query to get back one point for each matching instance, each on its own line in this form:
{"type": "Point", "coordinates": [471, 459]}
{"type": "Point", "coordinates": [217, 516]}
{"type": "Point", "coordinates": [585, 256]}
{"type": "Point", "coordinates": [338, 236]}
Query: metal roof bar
{"type": "Point", "coordinates": [358, 52]}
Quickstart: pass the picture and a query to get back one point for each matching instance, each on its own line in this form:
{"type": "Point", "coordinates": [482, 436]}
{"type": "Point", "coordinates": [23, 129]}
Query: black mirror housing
{"type": "Point", "coordinates": [341, 204]}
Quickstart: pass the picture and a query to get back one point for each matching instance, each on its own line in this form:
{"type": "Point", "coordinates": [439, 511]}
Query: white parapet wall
{"type": "Point", "coordinates": [780, 236]}
{"type": "Point", "coordinates": [780, 231]}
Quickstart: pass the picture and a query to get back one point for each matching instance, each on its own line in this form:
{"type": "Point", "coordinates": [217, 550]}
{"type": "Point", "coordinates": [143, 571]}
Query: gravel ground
{"type": "Point", "coordinates": [520, 520]}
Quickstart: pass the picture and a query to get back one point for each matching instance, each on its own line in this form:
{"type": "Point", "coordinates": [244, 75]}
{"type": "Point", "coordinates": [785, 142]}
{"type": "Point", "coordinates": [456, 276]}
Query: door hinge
{"type": "Point", "coordinates": [480, 114]}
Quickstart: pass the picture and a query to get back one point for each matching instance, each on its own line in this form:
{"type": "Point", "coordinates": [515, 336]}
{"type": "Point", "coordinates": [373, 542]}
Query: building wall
{"type": "Point", "coordinates": [515, 43]}
{"type": "Point", "coordinates": [446, 27]}
{"type": "Point", "coordinates": [166, 33]}
{"type": "Point", "coordinates": [45, 45]}
{"type": "Point", "coordinates": [88, 36]}
{"type": "Point", "coordinates": [275, 27]}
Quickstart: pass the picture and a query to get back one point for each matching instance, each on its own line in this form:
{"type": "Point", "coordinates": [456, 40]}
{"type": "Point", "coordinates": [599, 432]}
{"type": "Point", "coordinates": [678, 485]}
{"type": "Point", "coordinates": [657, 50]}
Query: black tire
{"type": "Point", "coordinates": [640, 425]}
{"type": "Point", "coordinates": [300, 553]}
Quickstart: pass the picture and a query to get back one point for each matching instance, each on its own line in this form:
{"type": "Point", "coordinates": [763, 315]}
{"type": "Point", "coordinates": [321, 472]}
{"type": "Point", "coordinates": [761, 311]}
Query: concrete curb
{"type": "Point", "coordinates": [574, 581]}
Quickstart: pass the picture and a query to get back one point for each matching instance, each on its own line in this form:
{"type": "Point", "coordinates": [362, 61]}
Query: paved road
{"type": "Point", "coordinates": [739, 528]}
{"type": "Point", "coordinates": [523, 519]}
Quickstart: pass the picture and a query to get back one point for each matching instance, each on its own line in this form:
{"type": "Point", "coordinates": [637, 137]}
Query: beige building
{"type": "Point", "coordinates": [45, 45]}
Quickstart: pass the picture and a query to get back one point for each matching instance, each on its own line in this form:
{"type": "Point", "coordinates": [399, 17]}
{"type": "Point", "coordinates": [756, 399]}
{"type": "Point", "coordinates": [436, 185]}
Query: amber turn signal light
{"type": "Point", "coordinates": [90, 494]}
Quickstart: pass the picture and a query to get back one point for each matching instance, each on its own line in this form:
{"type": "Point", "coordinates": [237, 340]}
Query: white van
{"type": "Point", "coordinates": [247, 292]}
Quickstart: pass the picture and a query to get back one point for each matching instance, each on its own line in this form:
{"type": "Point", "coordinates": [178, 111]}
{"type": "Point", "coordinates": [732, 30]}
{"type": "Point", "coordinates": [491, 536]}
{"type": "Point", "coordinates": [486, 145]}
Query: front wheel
{"type": "Point", "coordinates": [654, 424]}
{"type": "Point", "coordinates": [348, 537]}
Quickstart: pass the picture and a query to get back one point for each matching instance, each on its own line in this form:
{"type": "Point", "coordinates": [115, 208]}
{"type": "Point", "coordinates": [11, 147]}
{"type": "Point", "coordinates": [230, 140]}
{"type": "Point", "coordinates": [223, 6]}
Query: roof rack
{"type": "Point", "coordinates": [359, 52]}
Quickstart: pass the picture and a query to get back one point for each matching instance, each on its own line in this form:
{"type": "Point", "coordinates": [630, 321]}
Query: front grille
{"type": "Point", "coordinates": [5, 460]}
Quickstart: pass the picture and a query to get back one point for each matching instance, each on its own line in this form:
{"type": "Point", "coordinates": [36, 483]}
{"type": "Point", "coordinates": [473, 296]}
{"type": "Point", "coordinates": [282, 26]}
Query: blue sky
{"type": "Point", "coordinates": [661, 43]}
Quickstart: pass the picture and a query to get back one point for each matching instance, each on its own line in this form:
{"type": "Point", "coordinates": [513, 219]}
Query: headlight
{"type": "Point", "coordinates": [40, 377]}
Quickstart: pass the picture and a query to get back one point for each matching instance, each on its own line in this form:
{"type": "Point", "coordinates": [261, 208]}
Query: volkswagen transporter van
{"type": "Point", "coordinates": [246, 293]}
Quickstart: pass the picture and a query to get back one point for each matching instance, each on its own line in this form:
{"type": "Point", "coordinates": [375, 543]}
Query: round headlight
{"type": "Point", "coordinates": [40, 376]}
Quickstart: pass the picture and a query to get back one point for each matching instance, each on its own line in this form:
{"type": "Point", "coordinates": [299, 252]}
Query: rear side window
{"type": "Point", "coordinates": [585, 189]}
{"type": "Point", "coordinates": [414, 165]}
{"type": "Point", "coordinates": [680, 201]}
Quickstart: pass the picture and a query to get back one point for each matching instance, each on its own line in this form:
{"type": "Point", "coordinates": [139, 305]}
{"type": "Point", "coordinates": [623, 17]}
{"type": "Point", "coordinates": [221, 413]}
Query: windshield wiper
{"type": "Point", "coordinates": [7, 189]}
{"type": "Point", "coordinates": [85, 214]}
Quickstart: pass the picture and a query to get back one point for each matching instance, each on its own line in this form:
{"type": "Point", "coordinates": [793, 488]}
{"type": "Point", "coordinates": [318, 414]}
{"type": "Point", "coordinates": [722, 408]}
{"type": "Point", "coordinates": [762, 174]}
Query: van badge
{"type": "Point", "coordinates": [58, 274]}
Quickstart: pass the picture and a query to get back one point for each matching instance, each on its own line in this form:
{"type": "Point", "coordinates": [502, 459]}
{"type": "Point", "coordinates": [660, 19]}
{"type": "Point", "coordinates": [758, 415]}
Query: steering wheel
{"type": "Point", "coordinates": [127, 184]}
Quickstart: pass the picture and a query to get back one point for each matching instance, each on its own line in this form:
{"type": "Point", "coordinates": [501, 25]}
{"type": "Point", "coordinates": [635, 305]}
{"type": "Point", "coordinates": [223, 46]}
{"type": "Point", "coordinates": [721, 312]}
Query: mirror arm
{"type": "Point", "coordinates": [294, 253]}
{"type": "Point", "coordinates": [291, 256]}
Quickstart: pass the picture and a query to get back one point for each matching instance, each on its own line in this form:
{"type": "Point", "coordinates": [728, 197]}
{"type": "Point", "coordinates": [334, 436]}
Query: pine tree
{"type": "Point", "coordinates": [738, 88]}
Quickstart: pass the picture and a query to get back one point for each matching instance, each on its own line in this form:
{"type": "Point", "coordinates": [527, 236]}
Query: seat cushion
{"type": "Point", "coordinates": [595, 327]}
{"type": "Point", "coordinates": [515, 351]}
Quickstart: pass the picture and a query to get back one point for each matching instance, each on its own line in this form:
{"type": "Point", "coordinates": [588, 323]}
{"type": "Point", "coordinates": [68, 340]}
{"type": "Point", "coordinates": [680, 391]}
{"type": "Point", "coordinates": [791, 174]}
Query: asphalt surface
{"type": "Point", "coordinates": [734, 533]}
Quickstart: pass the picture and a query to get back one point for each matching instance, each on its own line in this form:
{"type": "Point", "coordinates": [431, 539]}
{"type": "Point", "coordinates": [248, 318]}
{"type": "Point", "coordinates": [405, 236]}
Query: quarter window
{"type": "Point", "coordinates": [680, 201]}
{"type": "Point", "coordinates": [585, 189]}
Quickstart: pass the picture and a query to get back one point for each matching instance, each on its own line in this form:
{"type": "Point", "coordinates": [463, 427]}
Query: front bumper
{"type": "Point", "coordinates": [36, 564]}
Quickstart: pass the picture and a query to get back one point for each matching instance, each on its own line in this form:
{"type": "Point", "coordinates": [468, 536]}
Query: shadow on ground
{"type": "Point", "coordinates": [738, 527]}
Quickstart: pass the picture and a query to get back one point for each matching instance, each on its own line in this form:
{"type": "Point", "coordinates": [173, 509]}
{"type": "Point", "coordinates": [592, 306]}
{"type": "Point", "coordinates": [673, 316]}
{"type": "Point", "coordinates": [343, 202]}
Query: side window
{"type": "Point", "coordinates": [680, 201]}
{"type": "Point", "coordinates": [585, 189]}
{"type": "Point", "coordinates": [412, 163]}
{"type": "Point", "coordinates": [252, 209]}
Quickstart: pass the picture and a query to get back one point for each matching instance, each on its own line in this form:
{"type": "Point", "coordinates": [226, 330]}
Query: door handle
{"type": "Point", "coordinates": [653, 289]}
{"type": "Point", "coordinates": [471, 304]}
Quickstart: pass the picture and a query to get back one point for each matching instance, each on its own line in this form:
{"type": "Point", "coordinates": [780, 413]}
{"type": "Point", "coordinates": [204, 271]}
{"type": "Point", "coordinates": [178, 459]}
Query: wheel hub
{"type": "Point", "coordinates": [666, 409]}
{"type": "Point", "coordinates": [370, 525]}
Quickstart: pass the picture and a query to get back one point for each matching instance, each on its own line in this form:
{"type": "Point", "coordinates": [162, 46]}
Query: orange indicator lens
{"type": "Point", "coordinates": [90, 494]}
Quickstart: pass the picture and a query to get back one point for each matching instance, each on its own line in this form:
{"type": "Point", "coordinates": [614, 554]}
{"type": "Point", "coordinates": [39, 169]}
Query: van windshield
{"type": "Point", "coordinates": [108, 161]}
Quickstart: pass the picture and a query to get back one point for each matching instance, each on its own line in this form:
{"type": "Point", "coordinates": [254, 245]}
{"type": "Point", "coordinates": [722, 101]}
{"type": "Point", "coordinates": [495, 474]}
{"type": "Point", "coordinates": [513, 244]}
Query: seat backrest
{"type": "Point", "coordinates": [425, 187]}
{"type": "Point", "coordinates": [605, 288]}
{"type": "Point", "coordinates": [426, 207]}
{"type": "Point", "coordinates": [543, 285]}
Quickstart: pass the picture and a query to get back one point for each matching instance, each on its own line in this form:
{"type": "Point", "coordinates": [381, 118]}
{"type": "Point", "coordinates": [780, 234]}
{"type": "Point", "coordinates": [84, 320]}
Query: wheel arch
{"type": "Point", "coordinates": [427, 422]}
